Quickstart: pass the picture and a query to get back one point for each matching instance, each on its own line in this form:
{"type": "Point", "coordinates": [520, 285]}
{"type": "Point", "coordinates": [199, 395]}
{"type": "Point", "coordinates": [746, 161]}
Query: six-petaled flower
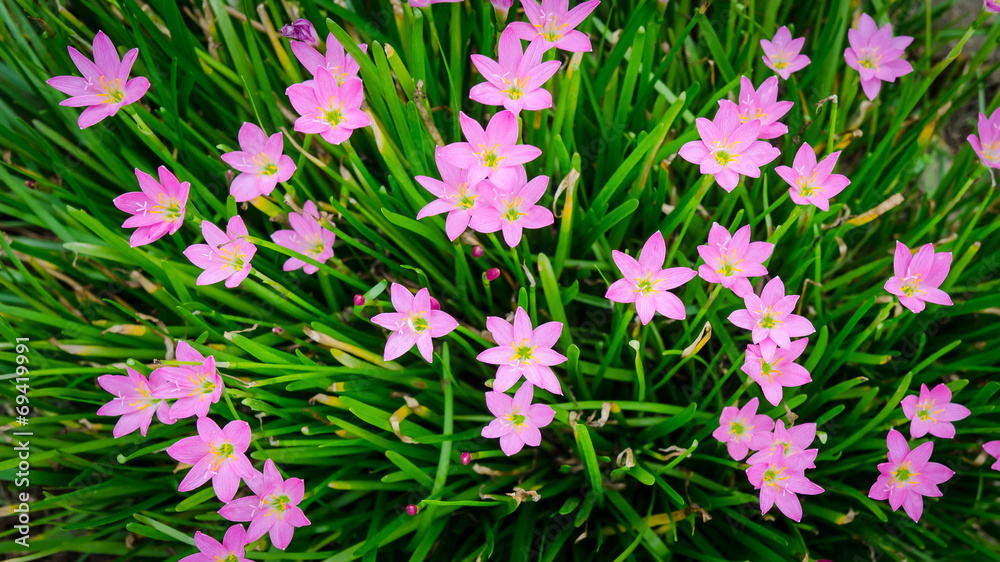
{"type": "Point", "coordinates": [932, 412]}
{"type": "Point", "coordinates": [522, 350]}
{"type": "Point", "coordinates": [517, 419]}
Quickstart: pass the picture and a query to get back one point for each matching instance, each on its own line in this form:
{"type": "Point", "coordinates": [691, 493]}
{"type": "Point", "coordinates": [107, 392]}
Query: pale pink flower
{"type": "Point", "coordinates": [987, 144]}
{"type": "Point", "coordinates": [781, 370]}
{"type": "Point", "coordinates": [554, 22]}
{"type": "Point", "coordinates": [993, 448]}
{"type": "Point", "coordinates": [492, 152]}
{"type": "Point", "coordinates": [260, 162]}
{"type": "Point", "coordinates": [232, 548]}
{"type": "Point", "coordinates": [732, 260]}
{"type": "Point", "coordinates": [413, 322]}
{"type": "Point", "coordinates": [517, 420]}
{"type": "Point", "coordinates": [522, 350]}
{"type": "Point", "coordinates": [771, 320]}
{"type": "Point", "coordinates": [217, 455]}
{"type": "Point", "coordinates": [307, 236]}
{"type": "Point", "coordinates": [779, 480]}
{"type": "Point", "coordinates": [133, 401]}
{"type": "Point", "coordinates": [105, 86]}
{"type": "Point", "coordinates": [781, 54]}
{"type": "Point", "coordinates": [932, 412]}
{"type": "Point", "coordinates": [908, 476]}
{"type": "Point", "coordinates": [226, 256]}
{"type": "Point", "coordinates": [792, 442]}
{"type": "Point", "coordinates": [513, 207]}
{"type": "Point", "coordinates": [337, 62]}
{"type": "Point", "coordinates": [762, 104]}
{"type": "Point", "coordinates": [811, 182]}
{"type": "Point", "coordinates": [157, 209]}
{"type": "Point", "coordinates": [515, 80]}
{"type": "Point", "coordinates": [738, 426]}
{"type": "Point", "coordinates": [917, 277]}
{"type": "Point", "coordinates": [645, 282]}
{"type": "Point", "coordinates": [274, 507]}
{"type": "Point", "coordinates": [328, 108]}
{"type": "Point", "coordinates": [195, 387]}
{"type": "Point", "coordinates": [728, 147]}
{"type": "Point", "coordinates": [301, 30]}
{"type": "Point", "coordinates": [455, 196]}
{"type": "Point", "coordinates": [875, 53]}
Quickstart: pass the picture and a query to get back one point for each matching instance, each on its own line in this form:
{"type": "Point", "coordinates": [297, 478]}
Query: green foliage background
{"type": "Point", "coordinates": [315, 389]}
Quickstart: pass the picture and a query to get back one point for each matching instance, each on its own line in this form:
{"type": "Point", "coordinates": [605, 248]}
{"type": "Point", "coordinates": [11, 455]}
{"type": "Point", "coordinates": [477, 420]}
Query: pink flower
{"type": "Point", "coordinates": [993, 448]}
{"type": "Point", "coordinates": [328, 108]}
{"type": "Point", "coordinates": [728, 147]}
{"type": "Point", "coordinates": [813, 182]}
{"type": "Point", "coordinates": [987, 145]}
{"type": "Point", "coordinates": [875, 53]}
{"type": "Point", "coordinates": [339, 64]}
{"type": "Point", "coordinates": [917, 277]}
{"type": "Point", "coordinates": [196, 387]}
{"type": "Point", "coordinates": [781, 370]}
{"type": "Point", "coordinates": [307, 237]}
{"type": "Point", "coordinates": [513, 207]}
{"type": "Point", "coordinates": [738, 426]}
{"type": "Point", "coordinates": [413, 322]}
{"type": "Point", "coordinates": [908, 476]}
{"type": "Point", "coordinates": [515, 82]}
{"type": "Point", "coordinates": [493, 152]}
{"type": "Point", "coordinates": [645, 282]}
{"type": "Point", "coordinates": [301, 30]}
{"type": "Point", "coordinates": [273, 508]}
{"type": "Point", "coordinates": [426, 3]}
{"type": "Point", "coordinates": [455, 196]}
{"type": "Point", "coordinates": [732, 260]}
{"type": "Point", "coordinates": [502, 6]}
{"type": "Point", "coordinates": [991, 6]}
{"type": "Point", "coordinates": [771, 319]}
{"type": "Point", "coordinates": [791, 442]}
{"type": "Point", "coordinates": [232, 548]}
{"type": "Point", "coordinates": [226, 256]}
{"type": "Point", "coordinates": [932, 412]}
{"type": "Point", "coordinates": [781, 54]}
{"type": "Point", "coordinates": [523, 351]}
{"type": "Point", "coordinates": [260, 162]}
{"type": "Point", "coordinates": [517, 419]}
{"type": "Point", "coordinates": [216, 455]}
{"type": "Point", "coordinates": [762, 104]}
{"type": "Point", "coordinates": [133, 401]}
{"type": "Point", "coordinates": [104, 87]}
{"type": "Point", "coordinates": [554, 22]}
{"type": "Point", "coordinates": [779, 480]}
{"type": "Point", "coordinates": [156, 210]}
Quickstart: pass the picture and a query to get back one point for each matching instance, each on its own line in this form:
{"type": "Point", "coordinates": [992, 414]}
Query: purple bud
{"type": "Point", "coordinates": [466, 457]}
{"type": "Point", "coordinates": [411, 509]}
{"type": "Point", "coordinates": [477, 251]}
{"type": "Point", "coordinates": [301, 30]}
{"type": "Point", "coordinates": [359, 300]}
{"type": "Point", "coordinates": [30, 184]}
{"type": "Point", "coordinates": [492, 274]}
{"type": "Point", "coordinates": [278, 330]}
{"type": "Point", "coordinates": [435, 305]}
{"type": "Point", "coordinates": [229, 177]}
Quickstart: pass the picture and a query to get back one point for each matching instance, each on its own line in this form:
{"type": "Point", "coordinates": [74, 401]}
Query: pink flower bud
{"type": "Point", "coordinates": [411, 509]}
{"type": "Point", "coordinates": [359, 300]}
{"type": "Point", "coordinates": [492, 274]}
{"type": "Point", "coordinates": [229, 177]}
{"type": "Point", "coordinates": [466, 457]}
{"type": "Point", "coordinates": [31, 184]}
{"type": "Point", "coordinates": [477, 251]}
{"type": "Point", "coordinates": [278, 330]}
{"type": "Point", "coordinates": [301, 30]}
{"type": "Point", "coordinates": [435, 305]}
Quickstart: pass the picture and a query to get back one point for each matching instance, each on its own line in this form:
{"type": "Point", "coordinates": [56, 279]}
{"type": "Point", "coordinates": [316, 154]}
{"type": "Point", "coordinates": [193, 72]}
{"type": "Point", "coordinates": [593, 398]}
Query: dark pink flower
{"type": "Point", "coordinates": [813, 182]}
{"type": "Point", "coordinates": [732, 260]}
{"type": "Point", "coordinates": [645, 282]}
{"type": "Point", "coordinates": [105, 86]}
{"type": "Point", "coordinates": [194, 387]}
{"type": "Point", "coordinates": [908, 476]}
{"type": "Point", "coordinates": [301, 30]}
{"type": "Point", "coordinates": [738, 426]}
{"type": "Point", "coordinates": [157, 209]}
{"type": "Point", "coordinates": [932, 412]}
{"type": "Point", "coordinates": [779, 480]}
{"type": "Point", "coordinates": [215, 454]}
{"type": "Point", "coordinates": [771, 319]}
{"type": "Point", "coordinates": [413, 323]}
{"type": "Point", "coordinates": [492, 274]}
{"type": "Point", "coordinates": [780, 371]}
{"type": "Point", "coordinates": [359, 300]}
{"type": "Point", "coordinates": [875, 54]}
{"type": "Point", "coordinates": [260, 161]}
{"type": "Point", "coordinates": [133, 401]}
{"type": "Point", "coordinates": [554, 22]}
{"type": "Point", "coordinates": [517, 420]}
{"type": "Point", "coordinates": [522, 350]}
{"type": "Point", "coordinates": [274, 507]}
{"type": "Point", "coordinates": [916, 278]}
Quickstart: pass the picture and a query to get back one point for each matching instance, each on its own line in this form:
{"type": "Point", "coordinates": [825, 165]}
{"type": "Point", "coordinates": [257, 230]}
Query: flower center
{"type": "Point", "coordinates": [549, 30]}
{"type": "Point", "coordinates": [768, 369]}
{"type": "Point", "coordinates": [806, 188]}
{"type": "Point", "coordinates": [728, 267]}
{"type": "Point", "coordinates": [991, 152]}
{"type": "Point", "coordinates": [202, 385]}
{"type": "Point", "coordinates": [737, 429]}
{"type": "Point", "coordinates": [516, 88]}
{"type": "Point", "coordinates": [331, 116]}
{"type": "Point", "coordinates": [645, 286]}
{"type": "Point", "coordinates": [221, 454]}
{"type": "Point", "coordinates": [513, 211]}
{"type": "Point", "coordinates": [278, 505]}
{"type": "Point", "coordinates": [926, 411]}
{"type": "Point", "coordinates": [910, 285]}
{"type": "Point", "coordinates": [903, 475]}
{"type": "Point", "coordinates": [266, 166]}
{"type": "Point", "coordinates": [112, 91]}
{"type": "Point", "coordinates": [773, 476]}
{"type": "Point", "coordinates": [234, 257]}
{"type": "Point", "coordinates": [418, 323]}
{"type": "Point", "coordinates": [144, 402]}
{"type": "Point", "coordinates": [760, 115]}
{"type": "Point", "coordinates": [869, 58]}
{"type": "Point", "coordinates": [489, 157]}
{"type": "Point", "coordinates": [465, 201]}
{"type": "Point", "coordinates": [170, 208]}
{"type": "Point", "coordinates": [523, 353]}
{"type": "Point", "coordinates": [231, 558]}
{"type": "Point", "coordinates": [770, 319]}
{"type": "Point", "coordinates": [517, 419]}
